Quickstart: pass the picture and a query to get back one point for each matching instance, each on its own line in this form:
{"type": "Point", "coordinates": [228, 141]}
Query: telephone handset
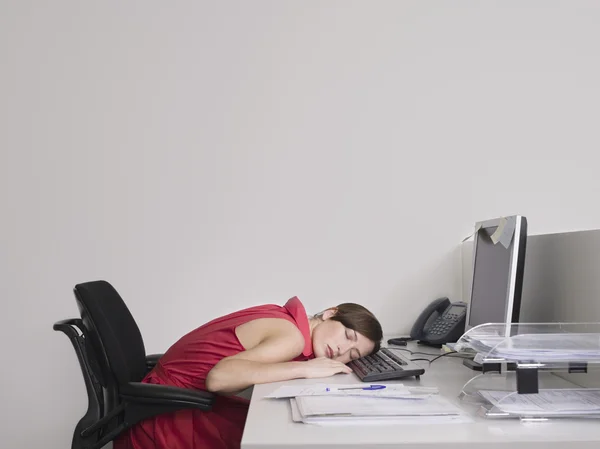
{"type": "Point", "coordinates": [441, 322]}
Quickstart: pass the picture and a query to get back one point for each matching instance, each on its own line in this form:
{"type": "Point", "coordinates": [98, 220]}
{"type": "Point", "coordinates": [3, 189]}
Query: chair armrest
{"type": "Point", "coordinates": [68, 326]}
{"type": "Point", "coordinates": [153, 394]}
{"type": "Point", "coordinates": [152, 360]}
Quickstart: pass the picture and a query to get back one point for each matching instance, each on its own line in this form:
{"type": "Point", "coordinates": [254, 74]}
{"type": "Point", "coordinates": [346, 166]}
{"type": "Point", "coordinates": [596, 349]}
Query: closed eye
{"type": "Point", "coordinates": [353, 336]}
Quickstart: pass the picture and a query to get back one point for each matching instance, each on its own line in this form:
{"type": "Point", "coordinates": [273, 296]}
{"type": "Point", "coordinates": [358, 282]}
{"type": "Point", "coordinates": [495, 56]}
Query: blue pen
{"type": "Point", "coordinates": [370, 387]}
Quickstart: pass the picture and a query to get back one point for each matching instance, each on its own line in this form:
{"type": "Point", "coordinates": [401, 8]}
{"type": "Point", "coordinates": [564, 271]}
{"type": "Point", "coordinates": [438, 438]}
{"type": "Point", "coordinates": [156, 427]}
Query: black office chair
{"type": "Point", "coordinates": [113, 361]}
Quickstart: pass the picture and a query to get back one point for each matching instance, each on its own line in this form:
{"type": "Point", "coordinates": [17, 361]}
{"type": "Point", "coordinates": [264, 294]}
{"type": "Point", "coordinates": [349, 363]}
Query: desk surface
{"type": "Point", "coordinates": [269, 424]}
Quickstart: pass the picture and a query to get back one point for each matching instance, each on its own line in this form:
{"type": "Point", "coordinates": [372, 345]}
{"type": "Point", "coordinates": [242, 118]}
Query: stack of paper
{"type": "Point", "coordinates": [539, 347]}
{"type": "Point", "coordinates": [558, 402]}
{"type": "Point", "coordinates": [349, 404]}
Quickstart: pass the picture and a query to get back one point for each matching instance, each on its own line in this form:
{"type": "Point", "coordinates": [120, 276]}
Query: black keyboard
{"type": "Point", "coordinates": [384, 365]}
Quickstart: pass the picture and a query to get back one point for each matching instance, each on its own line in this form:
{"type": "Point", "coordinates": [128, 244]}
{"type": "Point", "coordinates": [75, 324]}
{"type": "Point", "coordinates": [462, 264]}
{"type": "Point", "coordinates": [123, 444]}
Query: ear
{"type": "Point", "coordinates": [329, 313]}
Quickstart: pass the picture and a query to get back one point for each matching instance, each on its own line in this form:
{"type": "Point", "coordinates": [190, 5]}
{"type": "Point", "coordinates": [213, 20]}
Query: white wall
{"type": "Point", "coordinates": [207, 156]}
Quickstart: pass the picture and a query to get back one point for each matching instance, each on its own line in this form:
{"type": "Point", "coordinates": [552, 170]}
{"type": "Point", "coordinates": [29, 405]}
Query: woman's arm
{"type": "Point", "coordinates": [267, 361]}
{"type": "Point", "coordinates": [247, 368]}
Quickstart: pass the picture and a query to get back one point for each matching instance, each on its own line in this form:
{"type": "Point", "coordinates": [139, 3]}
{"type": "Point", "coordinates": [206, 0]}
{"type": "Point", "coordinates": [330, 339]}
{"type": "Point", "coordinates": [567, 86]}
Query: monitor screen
{"type": "Point", "coordinates": [491, 279]}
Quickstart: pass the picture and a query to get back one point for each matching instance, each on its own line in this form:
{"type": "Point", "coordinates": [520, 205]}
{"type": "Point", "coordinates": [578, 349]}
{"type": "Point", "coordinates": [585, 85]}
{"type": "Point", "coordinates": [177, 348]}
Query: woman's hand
{"type": "Point", "coordinates": [324, 367]}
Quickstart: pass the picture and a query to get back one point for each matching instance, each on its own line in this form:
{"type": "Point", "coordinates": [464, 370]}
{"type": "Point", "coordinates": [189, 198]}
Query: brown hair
{"type": "Point", "coordinates": [358, 318]}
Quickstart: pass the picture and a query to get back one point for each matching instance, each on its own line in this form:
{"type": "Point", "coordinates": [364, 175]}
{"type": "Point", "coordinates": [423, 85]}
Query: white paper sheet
{"type": "Point", "coordinates": [296, 416]}
{"type": "Point", "coordinates": [390, 391]}
{"type": "Point", "coordinates": [546, 402]}
{"type": "Point", "coordinates": [318, 406]}
{"type": "Point", "coordinates": [332, 421]}
{"type": "Point", "coordinates": [542, 347]}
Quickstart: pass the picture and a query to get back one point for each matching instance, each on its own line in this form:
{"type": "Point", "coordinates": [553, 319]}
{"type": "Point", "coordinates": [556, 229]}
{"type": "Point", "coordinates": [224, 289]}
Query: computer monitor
{"type": "Point", "coordinates": [498, 267]}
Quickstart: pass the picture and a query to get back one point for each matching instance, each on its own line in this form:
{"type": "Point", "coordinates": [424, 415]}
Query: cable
{"type": "Point", "coordinates": [439, 356]}
{"type": "Point", "coordinates": [425, 353]}
{"type": "Point", "coordinates": [400, 349]}
{"type": "Point", "coordinates": [412, 352]}
{"type": "Point", "coordinates": [395, 348]}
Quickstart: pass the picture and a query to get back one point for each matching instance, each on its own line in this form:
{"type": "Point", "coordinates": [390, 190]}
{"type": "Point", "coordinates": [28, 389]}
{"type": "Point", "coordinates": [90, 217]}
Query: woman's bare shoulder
{"type": "Point", "coordinates": [254, 332]}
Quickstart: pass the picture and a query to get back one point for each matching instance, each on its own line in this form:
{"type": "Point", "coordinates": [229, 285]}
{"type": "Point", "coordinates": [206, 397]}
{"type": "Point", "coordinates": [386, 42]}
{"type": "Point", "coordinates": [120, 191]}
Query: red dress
{"type": "Point", "coordinates": [186, 364]}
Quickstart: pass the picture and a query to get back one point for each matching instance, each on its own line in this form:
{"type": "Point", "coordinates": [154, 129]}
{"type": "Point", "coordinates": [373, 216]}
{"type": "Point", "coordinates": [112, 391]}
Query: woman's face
{"type": "Point", "coordinates": [333, 340]}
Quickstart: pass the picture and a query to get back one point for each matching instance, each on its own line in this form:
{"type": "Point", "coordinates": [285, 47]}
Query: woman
{"type": "Point", "coordinates": [261, 344]}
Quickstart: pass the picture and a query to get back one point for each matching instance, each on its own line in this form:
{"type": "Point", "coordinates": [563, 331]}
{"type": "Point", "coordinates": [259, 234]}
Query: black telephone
{"type": "Point", "coordinates": [441, 322]}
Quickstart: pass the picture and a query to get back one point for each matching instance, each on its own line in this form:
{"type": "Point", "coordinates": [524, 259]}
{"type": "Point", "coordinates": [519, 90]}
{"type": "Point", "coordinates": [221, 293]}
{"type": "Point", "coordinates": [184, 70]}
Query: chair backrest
{"type": "Point", "coordinates": [114, 334]}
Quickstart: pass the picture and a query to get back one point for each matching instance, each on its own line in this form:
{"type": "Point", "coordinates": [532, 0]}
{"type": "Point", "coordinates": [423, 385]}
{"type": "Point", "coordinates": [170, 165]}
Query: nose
{"type": "Point", "coordinates": [344, 348]}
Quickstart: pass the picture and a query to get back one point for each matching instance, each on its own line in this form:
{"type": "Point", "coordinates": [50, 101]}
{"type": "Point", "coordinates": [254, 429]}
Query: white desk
{"type": "Point", "coordinates": [269, 424]}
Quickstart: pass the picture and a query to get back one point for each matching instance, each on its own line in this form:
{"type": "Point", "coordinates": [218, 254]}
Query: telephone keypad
{"type": "Point", "coordinates": [443, 324]}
